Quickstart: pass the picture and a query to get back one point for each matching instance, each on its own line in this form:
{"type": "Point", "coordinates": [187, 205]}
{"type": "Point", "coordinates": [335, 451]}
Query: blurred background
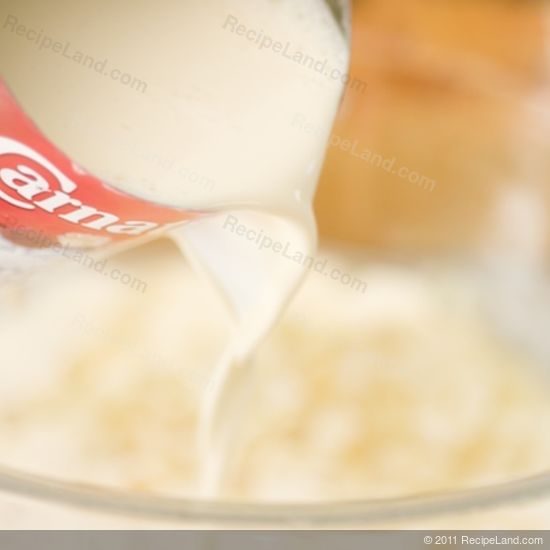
{"type": "Point", "coordinates": [451, 100]}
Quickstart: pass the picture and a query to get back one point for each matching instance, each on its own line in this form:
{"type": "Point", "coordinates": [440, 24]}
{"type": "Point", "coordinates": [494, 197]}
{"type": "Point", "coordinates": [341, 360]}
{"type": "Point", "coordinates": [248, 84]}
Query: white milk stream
{"type": "Point", "coordinates": [214, 113]}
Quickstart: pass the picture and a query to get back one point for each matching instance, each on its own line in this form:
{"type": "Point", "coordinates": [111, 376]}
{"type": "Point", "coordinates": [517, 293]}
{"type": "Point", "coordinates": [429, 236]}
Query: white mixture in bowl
{"type": "Point", "coordinates": [395, 391]}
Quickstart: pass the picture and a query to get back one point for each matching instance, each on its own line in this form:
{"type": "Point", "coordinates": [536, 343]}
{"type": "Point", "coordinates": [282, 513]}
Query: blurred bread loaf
{"type": "Point", "coordinates": [452, 114]}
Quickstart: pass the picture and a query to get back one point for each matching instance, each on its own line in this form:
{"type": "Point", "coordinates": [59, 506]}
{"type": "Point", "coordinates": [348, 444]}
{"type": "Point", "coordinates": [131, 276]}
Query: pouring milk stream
{"type": "Point", "coordinates": [122, 121]}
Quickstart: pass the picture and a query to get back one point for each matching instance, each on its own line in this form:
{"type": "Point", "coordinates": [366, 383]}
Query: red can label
{"type": "Point", "coordinates": [46, 200]}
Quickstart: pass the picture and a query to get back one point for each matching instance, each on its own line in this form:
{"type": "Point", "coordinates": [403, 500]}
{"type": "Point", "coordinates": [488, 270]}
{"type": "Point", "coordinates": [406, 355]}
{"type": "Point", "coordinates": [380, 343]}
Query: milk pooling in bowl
{"type": "Point", "coordinates": [192, 104]}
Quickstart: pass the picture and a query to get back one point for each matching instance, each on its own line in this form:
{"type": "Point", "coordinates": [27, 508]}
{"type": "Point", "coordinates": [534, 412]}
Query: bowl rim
{"type": "Point", "coordinates": [328, 514]}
